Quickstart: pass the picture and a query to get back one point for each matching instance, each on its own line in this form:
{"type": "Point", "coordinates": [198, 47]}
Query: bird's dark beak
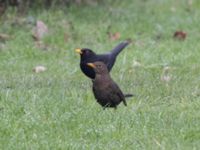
{"type": "Point", "coordinates": [78, 50]}
{"type": "Point", "coordinates": [91, 65]}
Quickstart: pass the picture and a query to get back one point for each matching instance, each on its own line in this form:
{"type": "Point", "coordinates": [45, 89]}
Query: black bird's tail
{"type": "Point", "coordinates": [128, 95]}
{"type": "Point", "coordinates": [115, 51]}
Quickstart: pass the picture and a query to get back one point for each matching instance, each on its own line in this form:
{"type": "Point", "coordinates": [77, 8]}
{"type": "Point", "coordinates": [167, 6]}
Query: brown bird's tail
{"type": "Point", "coordinates": [128, 95]}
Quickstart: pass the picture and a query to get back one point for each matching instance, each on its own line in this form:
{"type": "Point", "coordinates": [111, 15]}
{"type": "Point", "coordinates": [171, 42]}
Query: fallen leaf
{"type": "Point", "coordinates": [165, 76]}
{"type": "Point", "coordinates": [173, 9]}
{"type": "Point", "coordinates": [136, 63]}
{"type": "Point", "coordinates": [39, 31]}
{"type": "Point", "coordinates": [180, 35]}
{"type": "Point", "coordinates": [39, 69]}
{"type": "Point", "coordinates": [114, 36]}
{"type": "Point", "coordinates": [4, 37]}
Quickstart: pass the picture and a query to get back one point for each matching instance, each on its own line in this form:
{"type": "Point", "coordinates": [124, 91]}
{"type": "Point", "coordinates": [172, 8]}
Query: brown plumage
{"type": "Point", "coordinates": [106, 91]}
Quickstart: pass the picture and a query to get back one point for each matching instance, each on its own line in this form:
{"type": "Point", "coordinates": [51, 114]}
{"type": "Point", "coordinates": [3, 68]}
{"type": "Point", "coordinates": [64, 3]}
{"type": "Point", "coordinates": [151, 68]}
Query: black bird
{"type": "Point", "coordinates": [106, 91]}
{"type": "Point", "coordinates": [88, 56]}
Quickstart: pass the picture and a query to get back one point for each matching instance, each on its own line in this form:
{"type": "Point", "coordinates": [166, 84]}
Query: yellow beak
{"type": "Point", "coordinates": [78, 50]}
{"type": "Point", "coordinates": [91, 65]}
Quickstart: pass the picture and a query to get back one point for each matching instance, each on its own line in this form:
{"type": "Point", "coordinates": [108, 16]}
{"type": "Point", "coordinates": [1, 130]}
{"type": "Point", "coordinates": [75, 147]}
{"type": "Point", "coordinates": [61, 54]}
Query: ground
{"type": "Point", "coordinates": [56, 109]}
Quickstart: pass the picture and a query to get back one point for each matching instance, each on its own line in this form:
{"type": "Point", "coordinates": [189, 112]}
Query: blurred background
{"type": "Point", "coordinates": [47, 103]}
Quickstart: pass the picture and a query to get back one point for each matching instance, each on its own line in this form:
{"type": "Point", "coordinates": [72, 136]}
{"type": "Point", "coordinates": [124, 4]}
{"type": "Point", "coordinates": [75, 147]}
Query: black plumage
{"type": "Point", "coordinates": [106, 91]}
{"type": "Point", "coordinates": [88, 56]}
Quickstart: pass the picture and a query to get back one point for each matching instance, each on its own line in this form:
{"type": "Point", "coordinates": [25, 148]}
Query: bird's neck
{"type": "Point", "coordinates": [88, 58]}
{"type": "Point", "coordinates": [99, 78]}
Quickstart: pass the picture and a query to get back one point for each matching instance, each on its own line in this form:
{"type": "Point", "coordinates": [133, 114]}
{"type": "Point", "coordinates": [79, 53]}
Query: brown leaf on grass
{"type": "Point", "coordinates": [39, 69]}
{"type": "Point", "coordinates": [114, 36]}
{"type": "Point", "coordinates": [180, 35]}
{"type": "Point", "coordinates": [173, 9]}
{"type": "Point", "coordinates": [4, 37]}
{"type": "Point", "coordinates": [136, 63]}
{"type": "Point", "coordinates": [166, 76]}
{"type": "Point", "coordinates": [39, 30]}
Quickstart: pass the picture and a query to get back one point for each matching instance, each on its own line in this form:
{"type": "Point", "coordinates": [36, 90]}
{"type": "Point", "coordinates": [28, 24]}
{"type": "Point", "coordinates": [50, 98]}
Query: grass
{"type": "Point", "coordinates": [56, 109]}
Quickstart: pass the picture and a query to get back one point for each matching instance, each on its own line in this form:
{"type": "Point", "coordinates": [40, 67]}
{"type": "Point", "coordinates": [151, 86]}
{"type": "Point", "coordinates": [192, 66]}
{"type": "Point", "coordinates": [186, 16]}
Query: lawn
{"type": "Point", "coordinates": [56, 109]}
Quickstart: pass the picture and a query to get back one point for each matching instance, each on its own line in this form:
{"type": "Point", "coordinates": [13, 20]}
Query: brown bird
{"type": "Point", "coordinates": [106, 91]}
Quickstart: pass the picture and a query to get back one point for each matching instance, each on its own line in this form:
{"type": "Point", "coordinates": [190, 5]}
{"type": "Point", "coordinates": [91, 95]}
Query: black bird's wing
{"type": "Point", "coordinates": [88, 71]}
{"type": "Point", "coordinates": [106, 58]}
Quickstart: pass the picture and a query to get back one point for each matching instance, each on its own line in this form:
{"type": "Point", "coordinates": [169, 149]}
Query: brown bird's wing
{"type": "Point", "coordinates": [101, 95]}
{"type": "Point", "coordinates": [119, 96]}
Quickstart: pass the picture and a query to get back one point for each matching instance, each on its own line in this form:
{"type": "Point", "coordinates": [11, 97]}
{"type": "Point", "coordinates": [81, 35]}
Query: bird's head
{"type": "Point", "coordinates": [85, 52]}
{"type": "Point", "coordinates": [99, 67]}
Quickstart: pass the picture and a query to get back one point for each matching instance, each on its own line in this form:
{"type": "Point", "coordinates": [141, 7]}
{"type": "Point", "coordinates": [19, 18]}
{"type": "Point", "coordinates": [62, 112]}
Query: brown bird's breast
{"type": "Point", "coordinates": [104, 92]}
